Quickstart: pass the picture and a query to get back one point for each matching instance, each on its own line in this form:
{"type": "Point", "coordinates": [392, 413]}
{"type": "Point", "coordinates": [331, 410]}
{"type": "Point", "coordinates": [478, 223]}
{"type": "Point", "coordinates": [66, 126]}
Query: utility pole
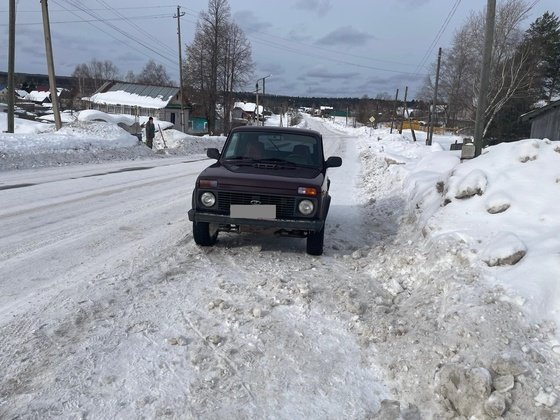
{"type": "Point", "coordinates": [257, 98]}
{"type": "Point", "coordinates": [394, 113]}
{"type": "Point", "coordinates": [178, 16]}
{"type": "Point", "coordinates": [11, 66]}
{"type": "Point", "coordinates": [484, 76]}
{"type": "Point", "coordinates": [434, 106]}
{"type": "Point", "coordinates": [50, 64]}
{"type": "Point", "coordinates": [404, 110]}
{"type": "Point", "coordinates": [262, 99]}
{"type": "Point", "coordinates": [263, 93]}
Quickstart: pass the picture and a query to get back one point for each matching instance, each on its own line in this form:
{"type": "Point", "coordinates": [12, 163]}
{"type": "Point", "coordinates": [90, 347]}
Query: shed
{"type": "Point", "coordinates": [545, 121]}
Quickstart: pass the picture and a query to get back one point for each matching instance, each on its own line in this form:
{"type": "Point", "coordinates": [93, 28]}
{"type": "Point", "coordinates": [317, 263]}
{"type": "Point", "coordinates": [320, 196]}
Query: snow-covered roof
{"type": "Point", "coordinates": [131, 94]}
{"type": "Point", "coordinates": [539, 111]}
{"type": "Point", "coordinates": [37, 96]}
{"type": "Point", "coordinates": [246, 106]}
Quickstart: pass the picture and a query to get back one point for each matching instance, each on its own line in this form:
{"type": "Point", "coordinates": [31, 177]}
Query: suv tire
{"type": "Point", "coordinates": [201, 234]}
{"type": "Point", "coordinates": [315, 242]}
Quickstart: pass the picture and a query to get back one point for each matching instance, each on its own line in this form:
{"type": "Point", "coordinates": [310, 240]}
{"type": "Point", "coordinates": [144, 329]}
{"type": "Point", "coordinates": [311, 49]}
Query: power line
{"type": "Point", "coordinates": [327, 50]}
{"type": "Point", "coordinates": [438, 35]}
{"type": "Point", "coordinates": [58, 22]}
{"type": "Point", "coordinates": [328, 58]}
{"type": "Point", "coordinates": [77, 10]}
{"type": "Point", "coordinates": [115, 28]}
{"type": "Point", "coordinates": [135, 26]}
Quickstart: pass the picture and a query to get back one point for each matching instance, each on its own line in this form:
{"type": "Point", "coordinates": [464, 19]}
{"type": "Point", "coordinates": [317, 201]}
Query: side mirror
{"type": "Point", "coordinates": [213, 153]}
{"type": "Point", "coordinates": [333, 162]}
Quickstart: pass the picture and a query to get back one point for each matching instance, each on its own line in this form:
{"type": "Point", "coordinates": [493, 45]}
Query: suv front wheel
{"type": "Point", "coordinates": [315, 242]}
{"type": "Point", "coordinates": [201, 234]}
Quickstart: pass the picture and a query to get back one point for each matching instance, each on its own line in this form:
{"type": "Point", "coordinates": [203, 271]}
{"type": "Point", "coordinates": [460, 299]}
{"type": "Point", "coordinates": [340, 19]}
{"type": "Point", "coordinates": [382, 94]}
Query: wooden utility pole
{"type": "Point", "coordinates": [257, 99]}
{"type": "Point", "coordinates": [484, 76]}
{"type": "Point", "coordinates": [50, 64]}
{"type": "Point", "coordinates": [178, 16]}
{"type": "Point", "coordinates": [404, 109]}
{"type": "Point", "coordinates": [394, 113]}
{"type": "Point", "coordinates": [434, 106]}
{"type": "Point", "coordinates": [11, 66]}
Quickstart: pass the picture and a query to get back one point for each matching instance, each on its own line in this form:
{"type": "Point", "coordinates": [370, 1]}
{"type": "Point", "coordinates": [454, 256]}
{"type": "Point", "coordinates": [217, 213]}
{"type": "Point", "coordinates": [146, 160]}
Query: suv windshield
{"type": "Point", "coordinates": [297, 149]}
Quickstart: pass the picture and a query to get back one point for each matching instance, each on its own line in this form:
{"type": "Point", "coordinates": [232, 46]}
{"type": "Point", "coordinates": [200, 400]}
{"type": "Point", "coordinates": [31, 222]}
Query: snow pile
{"type": "Point", "coordinates": [502, 207]}
{"type": "Point", "coordinates": [455, 342]}
{"type": "Point", "coordinates": [94, 115]}
{"type": "Point", "coordinates": [177, 143]}
{"type": "Point", "coordinates": [129, 120]}
{"type": "Point", "coordinates": [92, 136]}
{"type": "Point", "coordinates": [65, 117]}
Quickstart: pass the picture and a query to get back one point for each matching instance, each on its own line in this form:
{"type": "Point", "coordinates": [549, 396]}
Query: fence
{"type": "Point", "coordinates": [420, 126]}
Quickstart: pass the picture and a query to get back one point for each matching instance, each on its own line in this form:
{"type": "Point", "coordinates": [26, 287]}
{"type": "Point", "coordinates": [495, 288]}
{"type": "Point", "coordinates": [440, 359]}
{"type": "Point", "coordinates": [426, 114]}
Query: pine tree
{"type": "Point", "coordinates": [543, 37]}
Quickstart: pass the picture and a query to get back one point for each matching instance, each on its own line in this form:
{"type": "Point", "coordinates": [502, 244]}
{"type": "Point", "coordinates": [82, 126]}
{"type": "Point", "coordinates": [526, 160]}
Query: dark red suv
{"type": "Point", "coordinates": [266, 179]}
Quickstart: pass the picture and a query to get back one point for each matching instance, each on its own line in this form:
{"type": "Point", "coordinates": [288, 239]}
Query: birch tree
{"type": "Point", "coordinates": [510, 73]}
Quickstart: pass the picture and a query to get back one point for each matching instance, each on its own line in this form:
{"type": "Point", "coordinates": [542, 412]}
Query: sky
{"type": "Point", "coordinates": [308, 47]}
{"type": "Point", "coordinates": [425, 287]}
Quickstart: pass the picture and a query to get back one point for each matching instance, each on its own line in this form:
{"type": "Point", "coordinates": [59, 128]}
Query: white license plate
{"type": "Point", "coordinates": [253, 211]}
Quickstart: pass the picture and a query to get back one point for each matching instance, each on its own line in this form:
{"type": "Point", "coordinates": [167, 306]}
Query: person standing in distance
{"type": "Point", "coordinates": [150, 132]}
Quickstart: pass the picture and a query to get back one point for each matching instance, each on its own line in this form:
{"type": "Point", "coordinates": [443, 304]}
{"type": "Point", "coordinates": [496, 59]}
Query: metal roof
{"type": "Point", "coordinates": [164, 93]}
{"type": "Point", "coordinates": [537, 112]}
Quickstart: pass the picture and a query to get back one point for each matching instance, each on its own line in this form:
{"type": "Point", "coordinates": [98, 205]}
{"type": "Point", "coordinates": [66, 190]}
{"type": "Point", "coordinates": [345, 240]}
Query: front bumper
{"type": "Point", "coordinates": [281, 224]}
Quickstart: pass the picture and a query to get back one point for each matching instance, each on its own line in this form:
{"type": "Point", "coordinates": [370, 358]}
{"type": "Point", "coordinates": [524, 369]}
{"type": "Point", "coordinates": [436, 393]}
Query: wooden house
{"type": "Point", "coordinates": [545, 121]}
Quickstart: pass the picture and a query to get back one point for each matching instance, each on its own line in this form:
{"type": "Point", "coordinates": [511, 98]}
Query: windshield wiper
{"type": "Point", "coordinates": [276, 160]}
{"type": "Point", "coordinates": [238, 158]}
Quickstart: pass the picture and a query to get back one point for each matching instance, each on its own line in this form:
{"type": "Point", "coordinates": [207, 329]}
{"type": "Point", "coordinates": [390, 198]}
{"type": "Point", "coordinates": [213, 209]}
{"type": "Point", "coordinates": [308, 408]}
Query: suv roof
{"type": "Point", "coordinates": [267, 128]}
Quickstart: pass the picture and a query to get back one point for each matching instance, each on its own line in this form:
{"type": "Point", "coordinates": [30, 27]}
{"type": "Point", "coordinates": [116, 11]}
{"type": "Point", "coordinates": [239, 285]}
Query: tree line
{"type": "Point", "coordinates": [91, 76]}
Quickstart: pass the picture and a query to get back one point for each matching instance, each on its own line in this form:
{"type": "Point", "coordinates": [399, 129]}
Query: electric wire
{"type": "Point", "coordinates": [438, 36]}
{"type": "Point", "coordinates": [140, 30]}
{"type": "Point", "coordinates": [59, 22]}
{"type": "Point", "coordinates": [115, 28]}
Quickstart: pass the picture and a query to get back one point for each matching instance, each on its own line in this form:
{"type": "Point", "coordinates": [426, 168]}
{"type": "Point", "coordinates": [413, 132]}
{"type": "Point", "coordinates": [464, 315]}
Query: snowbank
{"type": "Point", "coordinates": [501, 207]}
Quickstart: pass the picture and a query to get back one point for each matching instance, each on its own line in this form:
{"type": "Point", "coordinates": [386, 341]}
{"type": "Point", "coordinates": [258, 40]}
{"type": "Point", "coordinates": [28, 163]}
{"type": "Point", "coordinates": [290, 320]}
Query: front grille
{"type": "Point", "coordinates": [285, 206]}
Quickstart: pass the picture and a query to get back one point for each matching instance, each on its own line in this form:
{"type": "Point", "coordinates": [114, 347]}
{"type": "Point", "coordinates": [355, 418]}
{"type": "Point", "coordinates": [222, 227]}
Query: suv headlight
{"type": "Point", "coordinates": [306, 207]}
{"type": "Point", "coordinates": [208, 199]}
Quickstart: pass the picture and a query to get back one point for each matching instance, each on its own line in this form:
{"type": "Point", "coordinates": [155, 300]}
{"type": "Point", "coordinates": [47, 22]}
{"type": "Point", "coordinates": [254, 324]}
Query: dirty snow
{"type": "Point", "coordinates": [421, 307]}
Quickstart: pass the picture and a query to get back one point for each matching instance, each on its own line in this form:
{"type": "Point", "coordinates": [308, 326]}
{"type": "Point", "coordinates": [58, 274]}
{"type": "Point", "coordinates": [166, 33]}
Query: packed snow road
{"type": "Point", "coordinates": [109, 310]}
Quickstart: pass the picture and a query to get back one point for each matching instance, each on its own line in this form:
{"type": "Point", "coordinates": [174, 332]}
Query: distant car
{"type": "Point", "coordinates": [266, 179]}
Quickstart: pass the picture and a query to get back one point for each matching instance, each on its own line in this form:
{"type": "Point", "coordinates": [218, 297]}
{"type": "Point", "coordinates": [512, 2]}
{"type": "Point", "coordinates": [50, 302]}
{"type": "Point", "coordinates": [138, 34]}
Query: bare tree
{"type": "Point", "coordinates": [218, 59]}
{"type": "Point", "coordinates": [130, 77]}
{"type": "Point", "coordinates": [154, 74]}
{"type": "Point", "coordinates": [235, 67]}
{"type": "Point", "coordinates": [92, 75]}
{"type": "Point", "coordinates": [509, 74]}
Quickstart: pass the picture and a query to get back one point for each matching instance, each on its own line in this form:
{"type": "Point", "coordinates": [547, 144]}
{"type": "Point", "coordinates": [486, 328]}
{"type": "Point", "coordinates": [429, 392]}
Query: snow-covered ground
{"type": "Point", "coordinates": [437, 295]}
